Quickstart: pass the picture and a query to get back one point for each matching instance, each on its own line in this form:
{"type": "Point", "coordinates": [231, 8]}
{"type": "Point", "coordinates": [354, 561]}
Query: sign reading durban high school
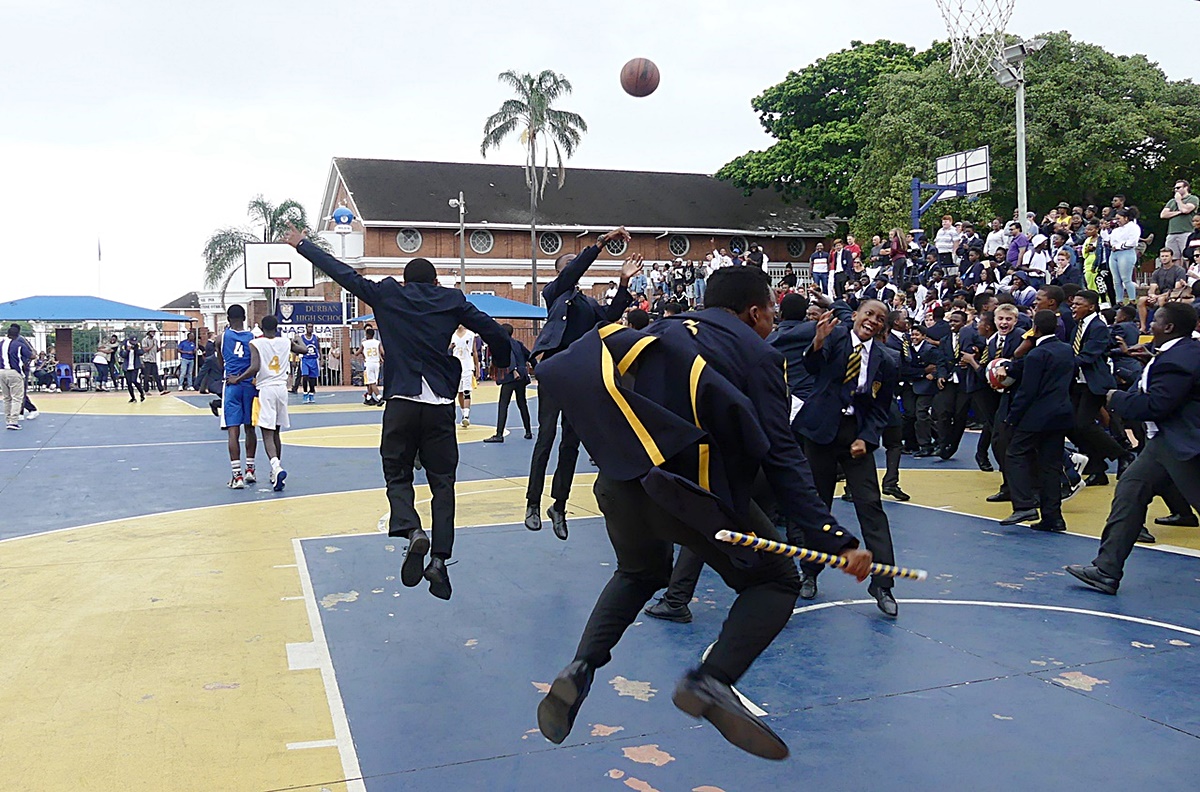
{"type": "Point", "coordinates": [317, 312]}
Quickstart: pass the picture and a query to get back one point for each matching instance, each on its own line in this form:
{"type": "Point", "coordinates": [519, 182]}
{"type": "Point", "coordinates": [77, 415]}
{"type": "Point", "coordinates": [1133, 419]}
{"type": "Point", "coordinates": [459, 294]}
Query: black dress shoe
{"type": "Point", "coordinates": [438, 577]}
{"type": "Point", "coordinates": [924, 452]}
{"type": "Point", "coordinates": [528, 435]}
{"type": "Point", "coordinates": [533, 520]}
{"type": "Point", "coordinates": [1049, 526]}
{"type": "Point", "coordinates": [1123, 463]}
{"type": "Point", "coordinates": [808, 587]}
{"type": "Point", "coordinates": [985, 466]}
{"type": "Point", "coordinates": [1096, 480]}
{"type": "Point", "coordinates": [1000, 497]}
{"type": "Point", "coordinates": [701, 696]}
{"type": "Point", "coordinates": [413, 568]}
{"type": "Point", "coordinates": [1178, 520]}
{"type": "Point", "coordinates": [896, 493]}
{"type": "Point", "coordinates": [846, 496]}
{"type": "Point", "coordinates": [556, 712]}
{"type": "Point", "coordinates": [558, 520]}
{"type": "Point", "coordinates": [668, 612]}
{"type": "Point", "coordinates": [1020, 516]}
{"type": "Point", "coordinates": [1145, 537]}
{"type": "Point", "coordinates": [885, 600]}
{"type": "Point", "coordinates": [496, 438]}
{"type": "Point", "coordinates": [946, 453]}
{"type": "Point", "coordinates": [1094, 578]}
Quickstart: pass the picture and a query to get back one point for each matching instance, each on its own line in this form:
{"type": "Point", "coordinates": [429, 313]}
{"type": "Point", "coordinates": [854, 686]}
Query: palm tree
{"type": "Point", "coordinates": [541, 128]}
{"type": "Point", "coordinates": [224, 252]}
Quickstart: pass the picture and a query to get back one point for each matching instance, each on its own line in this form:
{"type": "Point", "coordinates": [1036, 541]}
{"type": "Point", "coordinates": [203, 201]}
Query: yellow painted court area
{"type": "Point", "coordinates": [150, 653]}
{"type": "Point", "coordinates": [367, 435]}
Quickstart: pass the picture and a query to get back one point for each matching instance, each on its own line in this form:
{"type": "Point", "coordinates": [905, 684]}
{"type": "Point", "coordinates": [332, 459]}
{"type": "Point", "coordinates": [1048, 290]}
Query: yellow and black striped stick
{"type": "Point", "coordinates": [791, 551]}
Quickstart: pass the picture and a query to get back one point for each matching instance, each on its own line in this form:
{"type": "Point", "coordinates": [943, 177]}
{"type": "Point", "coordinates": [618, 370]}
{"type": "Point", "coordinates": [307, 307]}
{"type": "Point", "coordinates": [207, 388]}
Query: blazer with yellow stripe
{"type": "Point", "coordinates": [693, 408]}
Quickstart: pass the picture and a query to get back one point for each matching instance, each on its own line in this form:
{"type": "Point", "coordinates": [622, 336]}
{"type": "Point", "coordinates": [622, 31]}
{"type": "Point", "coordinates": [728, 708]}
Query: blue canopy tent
{"type": "Point", "coordinates": [493, 306]}
{"type": "Point", "coordinates": [69, 309]}
{"type": "Point", "coordinates": [73, 309]}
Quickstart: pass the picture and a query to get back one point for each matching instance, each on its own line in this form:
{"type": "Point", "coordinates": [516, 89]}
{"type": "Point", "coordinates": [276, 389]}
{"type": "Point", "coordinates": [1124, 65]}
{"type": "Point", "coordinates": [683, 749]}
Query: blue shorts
{"type": "Point", "coordinates": [309, 368]}
{"type": "Point", "coordinates": [237, 405]}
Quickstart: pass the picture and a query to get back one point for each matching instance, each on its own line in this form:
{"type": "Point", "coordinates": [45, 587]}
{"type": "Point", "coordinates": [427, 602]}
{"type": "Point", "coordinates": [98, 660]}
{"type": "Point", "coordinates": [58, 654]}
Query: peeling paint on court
{"type": "Point", "coordinates": [630, 687]}
{"type": "Point", "coordinates": [600, 730]}
{"type": "Point", "coordinates": [639, 785]}
{"type": "Point", "coordinates": [1079, 680]}
{"type": "Point", "coordinates": [329, 600]}
{"type": "Point", "coordinates": [648, 754]}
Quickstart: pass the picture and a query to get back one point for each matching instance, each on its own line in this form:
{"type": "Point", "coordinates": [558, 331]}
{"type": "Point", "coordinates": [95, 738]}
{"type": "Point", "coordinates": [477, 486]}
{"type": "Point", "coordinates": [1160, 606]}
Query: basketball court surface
{"type": "Point", "coordinates": [167, 633]}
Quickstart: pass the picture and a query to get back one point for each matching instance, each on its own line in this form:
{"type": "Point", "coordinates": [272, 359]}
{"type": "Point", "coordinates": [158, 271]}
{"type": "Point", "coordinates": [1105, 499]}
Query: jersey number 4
{"type": "Point", "coordinates": [239, 350]}
{"type": "Point", "coordinates": [274, 364]}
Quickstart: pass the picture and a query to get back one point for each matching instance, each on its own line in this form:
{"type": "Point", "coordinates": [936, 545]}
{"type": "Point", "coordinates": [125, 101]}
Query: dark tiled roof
{"type": "Point", "coordinates": [189, 300]}
{"type": "Point", "coordinates": [412, 191]}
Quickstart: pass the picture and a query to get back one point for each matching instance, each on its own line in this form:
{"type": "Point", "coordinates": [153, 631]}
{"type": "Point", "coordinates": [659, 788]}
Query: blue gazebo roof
{"type": "Point", "coordinates": [81, 309]}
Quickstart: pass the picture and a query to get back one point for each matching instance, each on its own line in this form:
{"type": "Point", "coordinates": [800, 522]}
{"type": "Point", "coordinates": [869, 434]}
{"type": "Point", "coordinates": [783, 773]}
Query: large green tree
{"type": "Point", "coordinates": [1096, 124]}
{"type": "Point", "coordinates": [816, 114]}
{"type": "Point", "coordinates": [541, 127]}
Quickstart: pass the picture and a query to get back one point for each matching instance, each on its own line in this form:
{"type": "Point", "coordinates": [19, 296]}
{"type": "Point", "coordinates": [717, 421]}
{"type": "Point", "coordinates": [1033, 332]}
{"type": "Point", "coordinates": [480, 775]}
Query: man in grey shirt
{"type": "Point", "coordinates": [151, 348]}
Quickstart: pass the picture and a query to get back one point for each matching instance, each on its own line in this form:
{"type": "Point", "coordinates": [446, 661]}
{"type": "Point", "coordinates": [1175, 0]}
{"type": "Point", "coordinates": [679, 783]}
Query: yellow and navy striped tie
{"type": "Point", "coordinates": [1079, 338]}
{"type": "Point", "coordinates": [985, 353]}
{"type": "Point", "coordinates": [905, 347]}
{"type": "Point", "coordinates": [853, 364]}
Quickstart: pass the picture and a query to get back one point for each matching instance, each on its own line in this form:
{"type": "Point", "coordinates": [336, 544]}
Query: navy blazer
{"type": "Point", "coordinates": [1171, 399]}
{"type": "Point", "coordinates": [1041, 400]}
{"type": "Point", "coordinates": [569, 312]}
{"type": "Point", "coordinates": [819, 418]}
{"type": "Point", "coordinates": [792, 338]}
{"type": "Point", "coordinates": [694, 408]}
{"type": "Point", "coordinates": [918, 361]}
{"type": "Point", "coordinates": [418, 318]}
{"type": "Point", "coordinates": [902, 363]}
{"type": "Point", "coordinates": [518, 368]}
{"type": "Point", "coordinates": [1092, 359]}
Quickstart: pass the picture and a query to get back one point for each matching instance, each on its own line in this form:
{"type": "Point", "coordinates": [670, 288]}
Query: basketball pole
{"type": "Point", "coordinates": [1022, 197]}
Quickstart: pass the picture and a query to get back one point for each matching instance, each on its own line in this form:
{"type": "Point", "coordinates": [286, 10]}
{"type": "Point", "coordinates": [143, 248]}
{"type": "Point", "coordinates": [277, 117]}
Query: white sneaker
{"type": "Point", "coordinates": [237, 482]}
{"type": "Point", "coordinates": [466, 423]}
{"type": "Point", "coordinates": [250, 477]}
{"type": "Point", "coordinates": [14, 427]}
{"type": "Point", "coordinates": [32, 416]}
{"type": "Point", "coordinates": [1075, 489]}
{"type": "Point", "coordinates": [1080, 462]}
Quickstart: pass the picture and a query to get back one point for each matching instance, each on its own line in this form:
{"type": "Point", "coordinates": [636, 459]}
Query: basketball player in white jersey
{"type": "Point", "coordinates": [269, 368]}
{"type": "Point", "coordinates": [462, 346]}
{"type": "Point", "coordinates": [373, 358]}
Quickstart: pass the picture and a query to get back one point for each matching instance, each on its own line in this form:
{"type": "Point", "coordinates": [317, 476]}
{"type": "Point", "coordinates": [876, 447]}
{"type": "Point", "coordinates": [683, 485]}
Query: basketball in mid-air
{"type": "Point", "coordinates": [639, 77]}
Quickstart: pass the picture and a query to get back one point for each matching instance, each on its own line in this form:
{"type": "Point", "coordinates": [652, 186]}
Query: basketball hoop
{"type": "Point", "coordinates": [280, 283]}
{"type": "Point", "coordinates": [976, 30]}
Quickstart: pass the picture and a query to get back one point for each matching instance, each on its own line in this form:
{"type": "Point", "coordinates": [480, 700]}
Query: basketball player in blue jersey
{"type": "Point", "coordinates": [237, 399]}
{"type": "Point", "coordinates": [310, 363]}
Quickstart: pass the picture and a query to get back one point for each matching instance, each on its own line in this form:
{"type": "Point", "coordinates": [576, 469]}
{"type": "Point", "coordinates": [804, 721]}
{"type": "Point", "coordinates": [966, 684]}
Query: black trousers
{"type": "Point", "coordinates": [893, 444]}
{"type": "Point", "coordinates": [643, 534]}
{"type": "Point", "coordinates": [985, 401]}
{"type": "Point", "coordinates": [410, 428]}
{"type": "Point", "coordinates": [1154, 468]}
{"type": "Point", "coordinates": [1091, 438]}
{"type": "Point", "coordinates": [132, 380]}
{"type": "Point", "coordinates": [506, 393]}
{"type": "Point", "coordinates": [568, 453]}
{"type": "Point", "coordinates": [951, 405]}
{"type": "Point", "coordinates": [909, 401]}
{"type": "Point", "coordinates": [1001, 435]}
{"type": "Point", "coordinates": [923, 410]}
{"type": "Point", "coordinates": [150, 375]}
{"type": "Point", "coordinates": [862, 481]}
{"type": "Point", "coordinates": [1035, 472]}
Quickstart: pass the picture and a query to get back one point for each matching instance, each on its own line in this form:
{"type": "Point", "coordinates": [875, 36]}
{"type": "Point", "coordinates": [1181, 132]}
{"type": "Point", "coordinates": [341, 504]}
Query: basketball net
{"type": "Point", "coordinates": [976, 30]}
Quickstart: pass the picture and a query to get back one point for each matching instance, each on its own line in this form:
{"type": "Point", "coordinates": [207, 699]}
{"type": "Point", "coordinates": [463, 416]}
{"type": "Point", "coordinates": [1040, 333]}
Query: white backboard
{"type": "Point", "coordinates": [267, 260]}
{"type": "Point", "coordinates": [971, 168]}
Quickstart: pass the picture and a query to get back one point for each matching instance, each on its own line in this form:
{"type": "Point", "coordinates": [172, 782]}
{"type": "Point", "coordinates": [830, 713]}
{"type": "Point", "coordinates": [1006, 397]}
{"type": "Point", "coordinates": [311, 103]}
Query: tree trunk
{"type": "Point", "coordinates": [533, 248]}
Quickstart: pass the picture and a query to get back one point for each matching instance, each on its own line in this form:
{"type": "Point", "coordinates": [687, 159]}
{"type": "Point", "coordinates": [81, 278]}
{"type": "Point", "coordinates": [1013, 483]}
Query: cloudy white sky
{"type": "Point", "coordinates": [149, 124]}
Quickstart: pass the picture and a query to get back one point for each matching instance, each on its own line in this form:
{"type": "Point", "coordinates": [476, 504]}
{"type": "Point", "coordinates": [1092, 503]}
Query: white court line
{"type": "Point", "coordinates": [1014, 605]}
{"type": "Point", "coordinates": [1166, 548]}
{"type": "Point", "coordinates": [300, 746]}
{"type": "Point", "coordinates": [333, 694]}
{"type": "Point", "coordinates": [113, 445]}
{"type": "Point", "coordinates": [747, 703]}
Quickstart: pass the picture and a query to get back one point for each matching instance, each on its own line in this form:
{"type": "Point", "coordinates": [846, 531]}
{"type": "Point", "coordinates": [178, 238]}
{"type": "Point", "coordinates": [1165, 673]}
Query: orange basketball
{"type": "Point", "coordinates": [639, 77]}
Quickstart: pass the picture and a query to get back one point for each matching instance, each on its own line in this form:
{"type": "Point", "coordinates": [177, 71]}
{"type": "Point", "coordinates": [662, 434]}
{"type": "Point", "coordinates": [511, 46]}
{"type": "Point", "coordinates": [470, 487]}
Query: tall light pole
{"type": "Point", "coordinates": [461, 203]}
{"type": "Point", "coordinates": [1009, 70]}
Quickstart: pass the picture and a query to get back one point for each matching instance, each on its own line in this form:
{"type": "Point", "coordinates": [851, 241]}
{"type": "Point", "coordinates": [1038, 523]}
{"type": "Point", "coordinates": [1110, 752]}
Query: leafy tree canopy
{"type": "Point", "coordinates": [1096, 124]}
{"type": "Point", "coordinates": [816, 115]}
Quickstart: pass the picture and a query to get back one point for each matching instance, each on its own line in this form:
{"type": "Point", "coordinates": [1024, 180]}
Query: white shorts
{"type": "Point", "coordinates": [464, 384]}
{"type": "Point", "coordinates": [371, 374]}
{"type": "Point", "coordinates": [273, 407]}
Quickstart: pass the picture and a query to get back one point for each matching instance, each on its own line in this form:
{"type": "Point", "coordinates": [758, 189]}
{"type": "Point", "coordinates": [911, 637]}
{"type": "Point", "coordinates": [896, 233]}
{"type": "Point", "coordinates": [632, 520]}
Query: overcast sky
{"type": "Point", "coordinates": [150, 124]}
